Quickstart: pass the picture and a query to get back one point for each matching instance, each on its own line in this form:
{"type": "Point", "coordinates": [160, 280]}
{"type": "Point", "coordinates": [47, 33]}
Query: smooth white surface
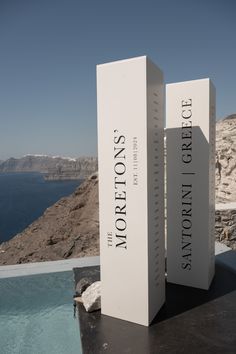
{"type": "Point", "coordinates": [46, 267]}
{"type": "Point", "coordinates": [221, 248]}
{"type": "Point", "coordinates": [190, 132]}
{"type": "Point", "coordinates": [130, 104]}
{"type": "Point", "coordinates": [226, 206]}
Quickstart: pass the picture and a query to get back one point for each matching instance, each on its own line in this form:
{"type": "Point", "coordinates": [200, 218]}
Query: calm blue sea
{"type": "Point", "coordinates": [24, 197]}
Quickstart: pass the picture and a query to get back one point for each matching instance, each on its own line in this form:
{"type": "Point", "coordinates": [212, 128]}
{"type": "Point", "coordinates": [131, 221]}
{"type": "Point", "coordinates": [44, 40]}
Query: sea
{"type": "Point", "coordinates": [24, 197]}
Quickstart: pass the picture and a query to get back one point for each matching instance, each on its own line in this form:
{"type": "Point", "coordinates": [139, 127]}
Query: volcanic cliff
{"type": "Point", "coordinates": [53, 167]}
{"type": "Point", "coordinates": [226, 160]}
{"type": "Point", "coordinates": [68, 229]}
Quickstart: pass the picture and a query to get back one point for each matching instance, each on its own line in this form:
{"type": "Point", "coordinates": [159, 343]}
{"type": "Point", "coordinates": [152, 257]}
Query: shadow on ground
{"type": "Point", "coordinates": [192, 320]}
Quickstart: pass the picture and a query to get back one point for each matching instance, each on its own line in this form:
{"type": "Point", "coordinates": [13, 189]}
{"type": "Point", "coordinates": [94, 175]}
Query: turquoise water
{"type": "Point", "coordinates": [36, 315]}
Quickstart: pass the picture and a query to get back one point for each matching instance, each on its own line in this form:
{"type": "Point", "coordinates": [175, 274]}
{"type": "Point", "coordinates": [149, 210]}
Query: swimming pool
{"type": "Point", "coordinates": [36, 315]}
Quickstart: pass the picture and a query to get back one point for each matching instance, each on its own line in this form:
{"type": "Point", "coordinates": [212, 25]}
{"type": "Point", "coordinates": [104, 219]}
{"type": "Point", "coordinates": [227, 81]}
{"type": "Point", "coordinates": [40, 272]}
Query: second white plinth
{"type": "Point", "coordinates": [190, 134]}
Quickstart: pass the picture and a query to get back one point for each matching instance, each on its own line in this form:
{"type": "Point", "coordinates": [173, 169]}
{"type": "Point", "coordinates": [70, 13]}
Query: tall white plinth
{"type": "Point", "coordinates": [190, 123]}
{"type": "Point", "coordinates": [130, 155]}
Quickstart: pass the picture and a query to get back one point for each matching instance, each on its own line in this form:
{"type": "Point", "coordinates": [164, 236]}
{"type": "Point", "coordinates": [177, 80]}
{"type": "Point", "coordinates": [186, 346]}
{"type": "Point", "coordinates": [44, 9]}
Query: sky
{"type": "Point", "coordinates": [49, 50]}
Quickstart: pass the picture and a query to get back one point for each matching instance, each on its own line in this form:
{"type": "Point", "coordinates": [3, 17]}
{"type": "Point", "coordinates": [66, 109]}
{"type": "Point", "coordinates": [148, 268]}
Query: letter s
{"type": "Point", "coordinates": [186, 266]}
{"type": "Point", "coordinates": [119, 139]}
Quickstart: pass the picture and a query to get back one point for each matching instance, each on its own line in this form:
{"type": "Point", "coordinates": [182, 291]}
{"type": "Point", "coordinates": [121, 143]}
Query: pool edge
{"type": "Point", "coordinates": [8, 271]}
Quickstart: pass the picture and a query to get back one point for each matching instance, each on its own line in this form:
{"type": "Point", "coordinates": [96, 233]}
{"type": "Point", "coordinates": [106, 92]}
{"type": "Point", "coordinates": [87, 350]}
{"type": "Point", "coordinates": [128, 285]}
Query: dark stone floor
{"type": "Point", "coordinates": [191, 321]}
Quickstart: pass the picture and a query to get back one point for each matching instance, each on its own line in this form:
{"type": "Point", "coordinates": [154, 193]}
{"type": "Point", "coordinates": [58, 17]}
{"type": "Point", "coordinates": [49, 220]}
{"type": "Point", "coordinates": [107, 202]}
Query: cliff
{"type": "Point", "coordinates": [68, 229]}
{"type": "Point", "coordinates": [52, 167]}
{"type": "Point", "coordinates": [226, 160]}
{"type": "Point", "coordinates": [225, 226]}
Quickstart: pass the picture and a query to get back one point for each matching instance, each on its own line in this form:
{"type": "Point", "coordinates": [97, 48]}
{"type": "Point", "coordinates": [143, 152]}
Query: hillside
{"type": "Point", "coordinates": [226, 160]}
{"type": "Point", "coordinates": [53, 167]}
{"type": "Point", "coordinates": [68, 229]}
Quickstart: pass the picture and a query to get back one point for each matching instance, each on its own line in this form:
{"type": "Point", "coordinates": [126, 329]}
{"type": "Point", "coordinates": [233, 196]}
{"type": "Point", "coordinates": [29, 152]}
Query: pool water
{"type": "Point", "coordinates": [36, 315]}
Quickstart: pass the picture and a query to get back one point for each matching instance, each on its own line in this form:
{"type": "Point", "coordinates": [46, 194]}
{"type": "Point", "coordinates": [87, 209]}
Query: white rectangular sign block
{"type": "Point", "coordinates": [190, 126]}
{"type": "Point", "coordinates": [130, 96]}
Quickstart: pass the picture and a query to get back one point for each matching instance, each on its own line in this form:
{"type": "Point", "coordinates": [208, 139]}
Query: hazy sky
{"type": "Point", "coordinates": [49, 50]}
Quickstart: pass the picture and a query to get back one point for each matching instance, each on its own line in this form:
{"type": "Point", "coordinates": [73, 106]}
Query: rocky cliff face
{"type": "Point", "coordinates": [225, 227]}
{"type": "Point", "coordinates": [52, 167]}
{"type": "Point", "coordinates": [68, 229]}
{"type": "Point", "coordinates": [226, 160]}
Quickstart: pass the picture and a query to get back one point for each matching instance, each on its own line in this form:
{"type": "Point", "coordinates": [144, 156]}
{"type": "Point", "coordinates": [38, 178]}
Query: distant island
{"type": "Point", "coordinates": [52, 167]}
